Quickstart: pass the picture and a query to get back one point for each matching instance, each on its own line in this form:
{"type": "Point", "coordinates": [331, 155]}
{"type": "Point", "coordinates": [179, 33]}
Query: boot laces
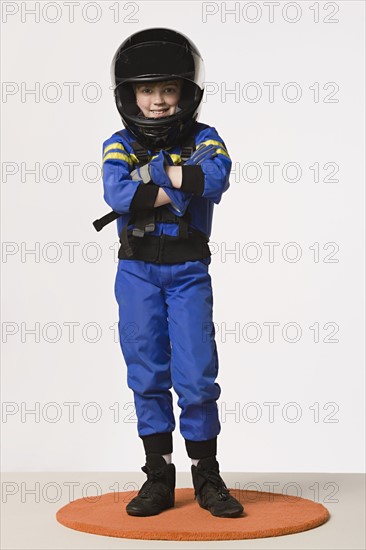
{"type": "Point", "coordinates": [152, 477]}
{"type": "Point", "coordinates": [213, 477]}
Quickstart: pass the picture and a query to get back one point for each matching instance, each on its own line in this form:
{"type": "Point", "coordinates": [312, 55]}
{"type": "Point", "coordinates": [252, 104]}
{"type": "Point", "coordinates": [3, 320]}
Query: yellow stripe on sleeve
{"type": "Point", "coordinates": [119, 156]}
{"type": "Point", "coordinates": [223, 152]}
{"type": "Point", "coordinates": [116, 145]}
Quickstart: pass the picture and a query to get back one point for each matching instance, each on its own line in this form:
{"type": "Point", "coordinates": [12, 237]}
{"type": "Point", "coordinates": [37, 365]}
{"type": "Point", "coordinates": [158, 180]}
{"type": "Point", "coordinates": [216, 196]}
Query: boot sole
{"type": "Point", "coordinates": [139, 513]}
{"type": "Point", "coordinates": [234, 514]}
{"type": "Point", "coordinates": [229, 515]}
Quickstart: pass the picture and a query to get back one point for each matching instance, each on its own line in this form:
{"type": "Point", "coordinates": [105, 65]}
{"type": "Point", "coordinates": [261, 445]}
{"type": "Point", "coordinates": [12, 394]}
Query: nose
{"type": "Point", "coordinates": [158, 98]}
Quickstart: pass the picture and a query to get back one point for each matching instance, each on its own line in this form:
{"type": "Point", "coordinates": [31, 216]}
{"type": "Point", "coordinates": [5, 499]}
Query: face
{"type": "Point", "coordinates": [158, 99]}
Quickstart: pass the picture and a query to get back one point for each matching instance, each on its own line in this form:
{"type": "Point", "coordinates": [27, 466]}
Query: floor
{"type": "Point", "coordinates": [30, 501]}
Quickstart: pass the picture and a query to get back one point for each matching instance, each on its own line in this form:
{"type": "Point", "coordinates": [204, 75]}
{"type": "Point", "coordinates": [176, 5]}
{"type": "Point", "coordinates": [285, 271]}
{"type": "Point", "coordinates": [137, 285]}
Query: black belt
{"type": "Point", "coordinates": [166, 249]}
{"type": "Point", "coordinates": [133, 242]}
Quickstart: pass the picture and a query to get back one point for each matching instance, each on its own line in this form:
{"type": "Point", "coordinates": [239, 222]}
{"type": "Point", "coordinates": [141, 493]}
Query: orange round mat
{"type": "Point", "coordinates": [265, 515]}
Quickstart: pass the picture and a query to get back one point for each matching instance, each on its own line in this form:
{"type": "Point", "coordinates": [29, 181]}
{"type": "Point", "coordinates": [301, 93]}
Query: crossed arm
{"type": "Point", "coordinates": [208, 179]}
{"type": "Point", "coordinates": [174, 173]}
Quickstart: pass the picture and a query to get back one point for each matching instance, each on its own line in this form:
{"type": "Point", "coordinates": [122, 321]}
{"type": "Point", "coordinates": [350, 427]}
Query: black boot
{"type": "Point", "coordinates": [211, 492]}
{"type": "Point", "coordinates": [157, 493]}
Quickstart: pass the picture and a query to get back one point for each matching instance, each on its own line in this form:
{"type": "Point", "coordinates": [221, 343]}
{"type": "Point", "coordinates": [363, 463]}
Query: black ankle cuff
{"type": "Point", "coordinates": [201, 449]}
{"type": "Point", "coordinates": [161, 443]}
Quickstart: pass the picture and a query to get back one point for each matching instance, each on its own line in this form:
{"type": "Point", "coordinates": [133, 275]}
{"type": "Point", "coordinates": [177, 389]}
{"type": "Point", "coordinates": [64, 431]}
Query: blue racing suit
{"type": "Point", "coordinates": [166, 331]}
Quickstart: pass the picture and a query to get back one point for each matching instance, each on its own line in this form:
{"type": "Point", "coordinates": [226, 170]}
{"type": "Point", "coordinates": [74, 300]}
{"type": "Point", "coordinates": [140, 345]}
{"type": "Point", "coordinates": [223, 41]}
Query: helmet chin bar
{"type": "Point", "coordinates": [158, 136]}
{"type": "Point", "coordinates": [161, 136]}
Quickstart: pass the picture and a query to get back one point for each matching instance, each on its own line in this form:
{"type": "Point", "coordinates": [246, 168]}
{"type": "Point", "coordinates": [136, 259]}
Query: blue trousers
{"type": "Point", "coordinates": [167, 339]}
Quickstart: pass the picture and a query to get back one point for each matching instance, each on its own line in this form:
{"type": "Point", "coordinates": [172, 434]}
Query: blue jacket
{"type": "Point", "coordinates": [202, 186]}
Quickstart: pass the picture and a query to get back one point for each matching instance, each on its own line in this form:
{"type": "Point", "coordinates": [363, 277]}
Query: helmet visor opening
{"type": "Point", "coordinates": [190, 97]}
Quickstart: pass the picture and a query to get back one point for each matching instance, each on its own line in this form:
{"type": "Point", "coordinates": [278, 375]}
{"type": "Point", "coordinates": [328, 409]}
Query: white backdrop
{"type": "Point", "coordinates": [287, 246]}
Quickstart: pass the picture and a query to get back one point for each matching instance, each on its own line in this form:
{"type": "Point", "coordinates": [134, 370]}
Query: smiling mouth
{"type": "Point", "coordinates": [160, 111]}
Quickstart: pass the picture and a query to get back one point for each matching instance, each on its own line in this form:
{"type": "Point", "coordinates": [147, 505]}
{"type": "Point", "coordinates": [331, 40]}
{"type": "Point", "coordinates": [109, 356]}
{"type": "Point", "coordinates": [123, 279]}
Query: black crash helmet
{"type": "Point", "coordinates": [155, 55]}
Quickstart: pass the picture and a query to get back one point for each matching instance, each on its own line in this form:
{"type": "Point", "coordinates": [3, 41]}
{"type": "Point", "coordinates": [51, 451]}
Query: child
{"type": "Point", "coordinates": [162, 175]}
